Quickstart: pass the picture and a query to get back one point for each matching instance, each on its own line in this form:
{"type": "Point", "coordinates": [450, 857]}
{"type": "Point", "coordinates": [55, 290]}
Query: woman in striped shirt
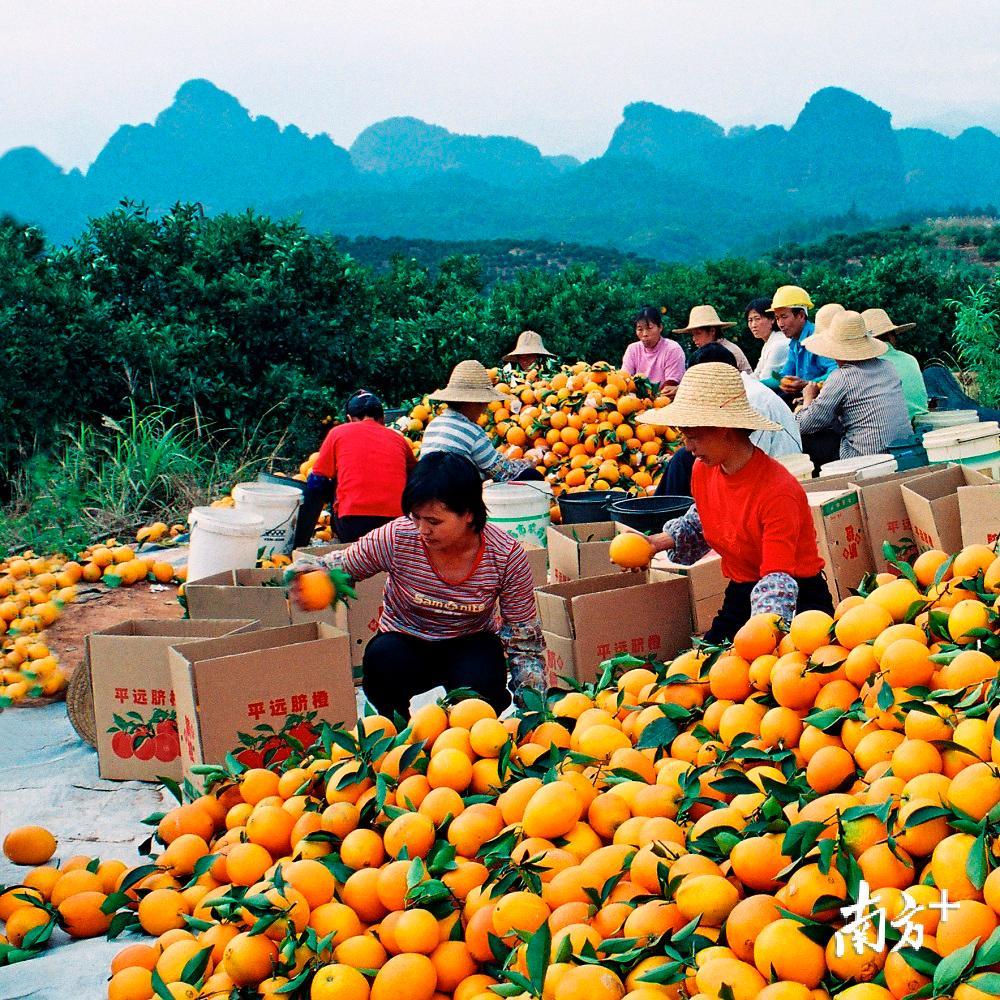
{"type": "Point", "coordinates": [459, 604]}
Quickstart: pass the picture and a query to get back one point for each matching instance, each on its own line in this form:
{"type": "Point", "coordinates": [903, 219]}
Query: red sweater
{"type": "Point", "coordinates": [757, 519]}
{"type": "Point", "coordinates": [370, 463]}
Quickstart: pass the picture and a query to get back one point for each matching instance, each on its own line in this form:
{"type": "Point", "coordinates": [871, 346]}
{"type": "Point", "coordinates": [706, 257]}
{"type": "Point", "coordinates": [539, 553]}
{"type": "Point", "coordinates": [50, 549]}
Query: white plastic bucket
{"type": "Point", "coordinates": [222, 538]}
{"type": "Point", "coordinates": [277, 506]}
{"type": "Point", "coordinates": [520, 509]}
{"type": "Point", "coordinates": [798, 464]}
{"type": "Point", "coordinates": [861, 467]}
{"type": "Point", "coordinates": [962, 442]}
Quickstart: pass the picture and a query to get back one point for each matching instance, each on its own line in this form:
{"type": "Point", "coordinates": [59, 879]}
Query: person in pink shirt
{"type": "Point", "coordinates": [658, 358]}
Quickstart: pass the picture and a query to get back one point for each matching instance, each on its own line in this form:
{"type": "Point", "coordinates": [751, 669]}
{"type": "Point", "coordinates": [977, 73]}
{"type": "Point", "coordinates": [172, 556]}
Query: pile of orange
{"type": "Point", "coordinates": [33, 592]}
{"type": "Point", "coordinates": [699, 829]}
{"type": "Point", "coordinates": [580, 419]}
{"type": "Point", "coordinates": [117, 565]}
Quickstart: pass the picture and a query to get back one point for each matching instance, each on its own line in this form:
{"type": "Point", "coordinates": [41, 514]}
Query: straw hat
{"type": "Point", "coordinates": [825, 314]}
{"type": "Point", "coordinates": [703, 316]}
{"type": "Point", "coordinates": [469, 383]}
{"type": "Point", "coordinates": [845, 339]}
{"type": "Point", "coordinates": [710, 395]}
{"type": "Point", "coordinates": [879, 324]}
{"type": "Point", "coordinates": [528, 343]}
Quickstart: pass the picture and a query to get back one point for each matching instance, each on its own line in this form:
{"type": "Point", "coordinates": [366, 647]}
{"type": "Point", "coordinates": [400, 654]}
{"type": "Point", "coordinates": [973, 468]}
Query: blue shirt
{"type": "Point", "coordinates": [804, 364]}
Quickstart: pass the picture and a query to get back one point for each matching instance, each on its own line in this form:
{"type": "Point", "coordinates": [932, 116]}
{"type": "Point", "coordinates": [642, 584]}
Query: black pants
{"type": "Point", "coordinates": [397, 666]}
{"type": "Point", "coordinates": [351, 528]}
{"type": "Point", "coordinates": [317, 494]}
{"type": "Point", "coordinates": [814, 595]}
{"type": "Point", "coordinates": [676, 478]}
{"type": "Point", "coordinates": [822, 447]}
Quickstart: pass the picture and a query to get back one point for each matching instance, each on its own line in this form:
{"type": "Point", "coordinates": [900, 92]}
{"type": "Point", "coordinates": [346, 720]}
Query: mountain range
{"type": "Point", "coordinates": [671, 184]}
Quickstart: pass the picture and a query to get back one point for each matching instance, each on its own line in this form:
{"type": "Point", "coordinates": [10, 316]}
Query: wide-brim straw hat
{"type": "Point", "coordinates": [879, 324]}
{"type": "Point", "coordinates": [528, 343]}
{"type": "Point", "coordinates": [710, 395]}
{"type": "Point", "coordinates": [469, 383]}
{"type": "Point", "coordinates": [824, 317]}
{"type": "Point", "coordinates": [846, 339]}
{"type": "Point", "coordinates": [703, 316]}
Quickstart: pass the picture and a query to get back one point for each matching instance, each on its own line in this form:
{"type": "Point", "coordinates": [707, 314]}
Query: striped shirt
{"type": "Point", "coordinates": [862, 400]}
{"type": "Point", "coordinates": [453, 431]}
{"type": "Point", "coordinates": [419, 602]}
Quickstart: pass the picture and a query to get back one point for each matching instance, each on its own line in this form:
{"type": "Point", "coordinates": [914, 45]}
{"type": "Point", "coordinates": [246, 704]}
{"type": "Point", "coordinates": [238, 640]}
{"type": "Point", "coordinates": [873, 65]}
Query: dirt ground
{"type": "Point", "coordinates": [98, 607]}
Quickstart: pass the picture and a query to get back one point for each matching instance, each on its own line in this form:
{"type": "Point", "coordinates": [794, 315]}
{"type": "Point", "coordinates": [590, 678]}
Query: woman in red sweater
{"type": "Point", "coordinates": [747, 507]}
{"type": "Point", "coordinates": [362, 468]}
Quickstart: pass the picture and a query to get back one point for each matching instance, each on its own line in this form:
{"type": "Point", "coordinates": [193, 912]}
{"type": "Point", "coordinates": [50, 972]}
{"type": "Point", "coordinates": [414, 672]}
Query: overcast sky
{"type": "Point", "coordinates": [554, 72]}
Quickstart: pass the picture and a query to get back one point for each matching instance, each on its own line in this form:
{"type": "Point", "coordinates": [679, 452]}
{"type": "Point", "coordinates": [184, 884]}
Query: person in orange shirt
{"type": "Point", "coordinates": [362, 468]}
{"type": "Point", "coordinates": [747, 507]}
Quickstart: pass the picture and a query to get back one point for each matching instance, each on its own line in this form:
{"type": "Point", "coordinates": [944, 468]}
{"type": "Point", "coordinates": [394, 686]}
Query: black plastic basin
{"type": "Point", "coordinates": [648, 514]}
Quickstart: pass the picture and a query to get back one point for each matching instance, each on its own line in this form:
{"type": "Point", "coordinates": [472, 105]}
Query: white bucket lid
{"type": "Point", "coordinates": [961, 432]}
{"type": "Point", "coordinates": [514, 491]}
{"type": "Point", "coordinates": [227, 521]}
{"type": "Point", "coordinates": [844, 466]}
{"type": "Point", "coordinates": [267, 494]}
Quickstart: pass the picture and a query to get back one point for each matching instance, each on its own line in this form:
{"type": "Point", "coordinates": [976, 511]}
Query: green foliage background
{"type": "Point", "coordinates": [259, 330]}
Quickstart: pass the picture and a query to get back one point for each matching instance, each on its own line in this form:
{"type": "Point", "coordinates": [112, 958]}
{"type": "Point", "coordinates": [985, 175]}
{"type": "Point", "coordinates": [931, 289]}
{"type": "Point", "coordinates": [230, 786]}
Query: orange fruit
{"type": "Point", "coordinates": [314, 590]}
{"type": "Point", "coordinates": [410, 976]}
{"type": "Point", "coordinates": [630, 550]}
{"type": "Point", "coordinates": [29, 845]}
{"type": "Point", "coordinates": [249, 960]}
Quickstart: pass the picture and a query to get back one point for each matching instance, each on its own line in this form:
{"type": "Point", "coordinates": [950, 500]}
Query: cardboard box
{"type": "Point", "coordinates": [263, 684]}
{"type": "Point", "coordinates": [840, 534]}
{"type": "Point", "coordinates": [706, 586]}
{"type": "Point", "coordinates": [952, 507]}
{"type": "Point", "coordinates": [251, 593]}
{"type": "Point", "coordinates": [134, 702]}
{"type": "Point", "coordinates": [886, 518]}
{"type": "Point", "coordinates": [538, 558]}
{"type": "Point", "coordinates": [578, 551]}
{"type": "Point", "coordinates": [587, 621]}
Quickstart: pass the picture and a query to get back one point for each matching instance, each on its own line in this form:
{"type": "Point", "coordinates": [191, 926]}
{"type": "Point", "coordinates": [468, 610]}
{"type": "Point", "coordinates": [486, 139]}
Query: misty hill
{"type": "Point", "coordinates": [410, 149]}
{"type": "Point", "coordinates": [671, 184]}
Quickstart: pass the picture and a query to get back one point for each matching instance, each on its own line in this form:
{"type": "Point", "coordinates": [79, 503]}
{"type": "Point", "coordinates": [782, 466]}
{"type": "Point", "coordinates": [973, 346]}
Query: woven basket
{"type": "Point", "coordinates": [80, 702]}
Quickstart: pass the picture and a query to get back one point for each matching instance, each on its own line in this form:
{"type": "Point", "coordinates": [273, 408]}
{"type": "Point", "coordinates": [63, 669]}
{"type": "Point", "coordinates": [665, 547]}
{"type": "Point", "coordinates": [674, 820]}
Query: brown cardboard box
{"type": "Point", "coordinates": [538, 558]}
{"type": "Point", "coordinates": [886, 519]}
{"type": "Point", "coordinates": [938, 502]}
{"type": "Point", "coordinates": [577, 551]}
{"type": "Point", "coordinates": [246, 593]}
{"type": "Point", "coordinates": [284, 680]}
{"type": "Point", "coordinates": [134, 704]}
{"type": "Point", "coordinates": [706, 586]}
{"type": "Point", "coordinates": [840, 534]}
{"type": "Point", "coordinates": [587, 621]}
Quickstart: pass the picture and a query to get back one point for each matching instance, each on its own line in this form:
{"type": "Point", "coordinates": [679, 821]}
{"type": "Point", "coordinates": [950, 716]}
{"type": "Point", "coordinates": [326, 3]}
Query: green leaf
{"type": "Point", "coordinates": [660, 733]}
{"type": "Point", "coordinates": [537, 957]}
{"type": "Point", "coordinates": [977, 866]}
{"type": "Point", "coordinates": [195, 968]}
{"type": "Point", "coordinates": [160, 988]}
{"type": "Point", "coordinates": [950, 969]}
{"type": "Point", "coordinates": [921, 960]}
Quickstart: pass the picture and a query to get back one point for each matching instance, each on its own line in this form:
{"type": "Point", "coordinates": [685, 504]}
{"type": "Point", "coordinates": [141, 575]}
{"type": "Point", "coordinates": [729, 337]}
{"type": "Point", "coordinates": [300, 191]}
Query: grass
{"type": "Point", "coordinates": [110, 480]}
